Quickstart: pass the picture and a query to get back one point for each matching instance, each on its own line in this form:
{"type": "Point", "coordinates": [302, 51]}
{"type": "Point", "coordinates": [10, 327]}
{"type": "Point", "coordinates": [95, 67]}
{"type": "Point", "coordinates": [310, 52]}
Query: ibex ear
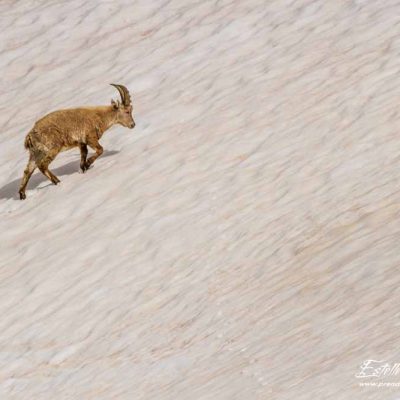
{"type": "Point", "coordinates": [115, 104]}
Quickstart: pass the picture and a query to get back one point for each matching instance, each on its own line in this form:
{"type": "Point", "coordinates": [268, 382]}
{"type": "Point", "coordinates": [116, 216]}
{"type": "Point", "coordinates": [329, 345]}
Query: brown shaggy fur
{"type": "Point", "coordinates": [65, 129]}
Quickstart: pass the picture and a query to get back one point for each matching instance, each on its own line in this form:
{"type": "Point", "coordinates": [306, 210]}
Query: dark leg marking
{"type": "Point", "coordinates": [84, 151]}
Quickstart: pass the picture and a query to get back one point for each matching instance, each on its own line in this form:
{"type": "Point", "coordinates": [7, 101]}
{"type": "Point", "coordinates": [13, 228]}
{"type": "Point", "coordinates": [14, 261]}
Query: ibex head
{"type": "Point", "coordinates": [123, 107]}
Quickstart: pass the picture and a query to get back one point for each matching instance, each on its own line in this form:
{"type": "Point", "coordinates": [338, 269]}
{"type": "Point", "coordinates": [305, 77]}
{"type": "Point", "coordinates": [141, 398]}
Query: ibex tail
{"type": "Point", "coordinates": [28, 142]}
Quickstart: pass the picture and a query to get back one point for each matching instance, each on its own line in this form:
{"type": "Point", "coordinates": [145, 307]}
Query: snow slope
{"type": "Point", "coordinates": [242, 241]}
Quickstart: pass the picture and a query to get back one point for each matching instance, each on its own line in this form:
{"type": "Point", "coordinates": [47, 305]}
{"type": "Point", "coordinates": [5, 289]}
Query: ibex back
{"type": "Point", "coordinates": [78, 127]}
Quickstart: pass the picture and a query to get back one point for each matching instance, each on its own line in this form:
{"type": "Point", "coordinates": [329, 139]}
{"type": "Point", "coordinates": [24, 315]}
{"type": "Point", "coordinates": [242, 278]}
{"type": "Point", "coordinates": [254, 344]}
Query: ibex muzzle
{"type": "Point", "coordinates": [78, 127]}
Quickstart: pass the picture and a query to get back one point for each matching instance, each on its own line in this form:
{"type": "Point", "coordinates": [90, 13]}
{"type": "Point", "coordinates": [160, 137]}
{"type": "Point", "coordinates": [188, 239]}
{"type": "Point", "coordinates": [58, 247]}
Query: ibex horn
{"type": "Point", "coordinates": [123, 91]}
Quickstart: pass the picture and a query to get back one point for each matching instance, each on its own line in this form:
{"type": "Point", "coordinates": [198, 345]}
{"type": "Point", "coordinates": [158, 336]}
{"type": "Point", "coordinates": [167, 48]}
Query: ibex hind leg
{"type": "Point", "coordinates": [43, 165]}
{"type": "Point", "coordinates": [31, 166]}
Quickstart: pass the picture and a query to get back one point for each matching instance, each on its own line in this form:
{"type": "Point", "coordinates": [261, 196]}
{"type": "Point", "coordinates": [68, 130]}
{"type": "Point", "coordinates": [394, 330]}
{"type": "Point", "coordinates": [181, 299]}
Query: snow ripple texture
{"type": "Point", "coordinates": [242, 242]}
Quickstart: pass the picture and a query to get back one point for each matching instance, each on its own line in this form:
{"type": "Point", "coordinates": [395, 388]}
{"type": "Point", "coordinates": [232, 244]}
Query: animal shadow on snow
{"type": "Point", "coordinates": [10, 190]}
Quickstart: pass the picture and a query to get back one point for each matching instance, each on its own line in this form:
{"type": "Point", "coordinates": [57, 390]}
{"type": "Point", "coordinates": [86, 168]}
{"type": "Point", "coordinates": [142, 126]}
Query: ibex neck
{"type": "Point", "coordinates": [107, 118]}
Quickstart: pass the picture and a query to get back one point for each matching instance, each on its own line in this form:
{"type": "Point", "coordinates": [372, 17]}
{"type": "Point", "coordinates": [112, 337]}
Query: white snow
{"type": "Point", "coordinates": [242, 241]}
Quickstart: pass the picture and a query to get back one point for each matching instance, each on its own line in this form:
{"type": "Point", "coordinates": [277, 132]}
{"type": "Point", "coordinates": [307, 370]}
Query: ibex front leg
{"type": "Point", "coordinates": [93, 142]}
{"type": "Point", "coordinates": [84, 152]}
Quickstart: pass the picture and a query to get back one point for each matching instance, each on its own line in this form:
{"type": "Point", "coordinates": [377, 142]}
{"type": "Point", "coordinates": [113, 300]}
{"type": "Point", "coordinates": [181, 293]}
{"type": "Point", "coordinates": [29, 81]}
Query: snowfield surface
{"type": "Point", "coordinates": [242, 242]}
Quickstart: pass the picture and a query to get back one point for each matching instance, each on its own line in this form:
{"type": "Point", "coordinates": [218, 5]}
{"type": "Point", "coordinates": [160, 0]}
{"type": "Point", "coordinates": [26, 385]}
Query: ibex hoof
{"type": "Point", "coordinates": [22, 196]}
{"type": "Point", "coordinates": [85, 167]}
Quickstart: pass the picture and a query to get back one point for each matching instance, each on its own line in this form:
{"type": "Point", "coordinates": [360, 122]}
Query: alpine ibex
{"type": "Point", "coordinates": [78, 127]}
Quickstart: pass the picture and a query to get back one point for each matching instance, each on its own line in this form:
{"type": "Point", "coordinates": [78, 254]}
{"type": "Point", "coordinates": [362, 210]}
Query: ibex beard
{"type": "Point", "coordinates": [78, 127]}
